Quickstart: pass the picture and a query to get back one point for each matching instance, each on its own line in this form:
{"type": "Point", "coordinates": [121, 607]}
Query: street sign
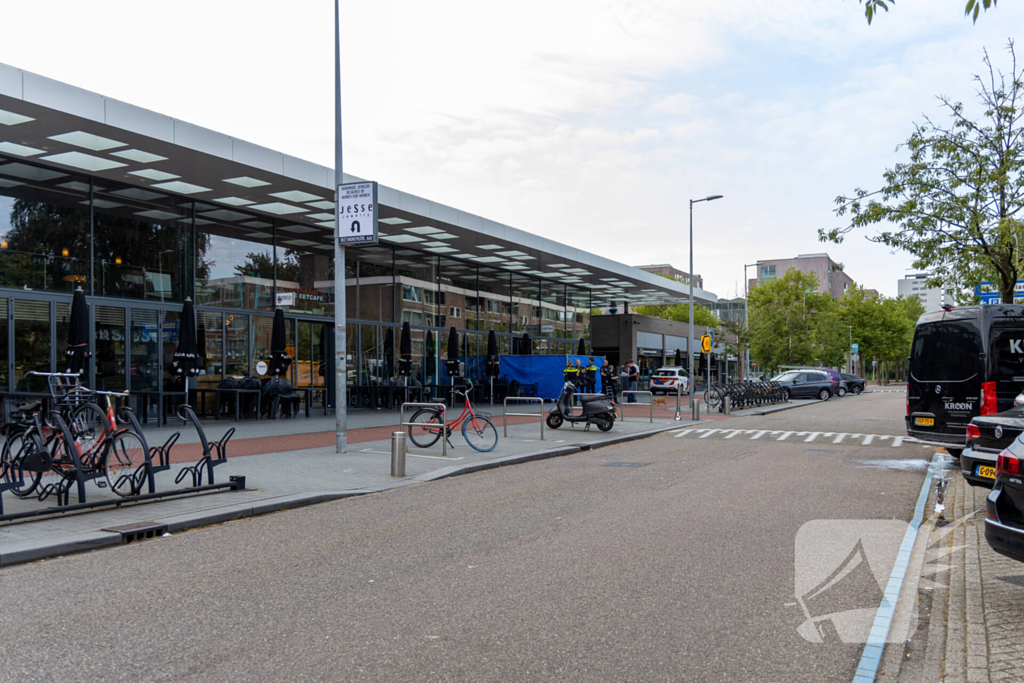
{"type": "Point", "coordinates": [855, 347]}
{"type": "Point", "coordinates": [357, 213]}
{"type": "Point", "coordinates": [874, 363]}
{"type": "Point", "coordinates": [711, 333]}
{"type": "Point", "coordinates": [285, 299]}
{"type": "Point", "coordinates": [706, 341]}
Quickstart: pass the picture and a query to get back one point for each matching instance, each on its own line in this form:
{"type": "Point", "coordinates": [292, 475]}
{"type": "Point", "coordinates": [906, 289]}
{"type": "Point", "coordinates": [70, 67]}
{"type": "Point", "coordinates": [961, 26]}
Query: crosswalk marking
{"type": "Point", "coordinates": [808, 437]}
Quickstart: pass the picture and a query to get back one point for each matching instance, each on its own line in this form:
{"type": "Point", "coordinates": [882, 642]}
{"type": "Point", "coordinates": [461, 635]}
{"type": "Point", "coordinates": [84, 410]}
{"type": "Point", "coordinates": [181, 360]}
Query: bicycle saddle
{"type": "Point", "coordinates": [29, 407]}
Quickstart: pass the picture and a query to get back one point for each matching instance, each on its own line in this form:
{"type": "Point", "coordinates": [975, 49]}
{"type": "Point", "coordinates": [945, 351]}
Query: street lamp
{"type": "Point", "coordinates": [746, 316]}
{"type": "Point", "coordinates": [689, 342]}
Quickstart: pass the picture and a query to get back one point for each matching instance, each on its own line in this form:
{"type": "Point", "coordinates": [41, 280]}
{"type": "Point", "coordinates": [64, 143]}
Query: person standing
{"type": "Point", "coordinates": [590, 372]}
{"type": "Point", "coordinates": [632, 376]}
{"type": "Point", "coordinates": [570, 372]}
{"type": "Point", "coordinates": [606, 379]}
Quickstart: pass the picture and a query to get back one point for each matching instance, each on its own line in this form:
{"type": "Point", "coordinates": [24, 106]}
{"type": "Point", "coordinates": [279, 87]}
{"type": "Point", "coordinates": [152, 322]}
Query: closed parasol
{"type": "Point", "coordinates": [78, 335]}
{"type": "Point", "coordinates": [185, 361]}
{"type": "Point", "coordinates": [279, 358]}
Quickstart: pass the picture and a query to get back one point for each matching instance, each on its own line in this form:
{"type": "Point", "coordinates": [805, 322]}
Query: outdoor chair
{"type": "Point", "coordinates": [514, 389]}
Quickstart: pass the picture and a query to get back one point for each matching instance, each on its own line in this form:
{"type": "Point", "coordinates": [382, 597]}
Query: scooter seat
{"type": "Point", "coordinates": [587, 398]}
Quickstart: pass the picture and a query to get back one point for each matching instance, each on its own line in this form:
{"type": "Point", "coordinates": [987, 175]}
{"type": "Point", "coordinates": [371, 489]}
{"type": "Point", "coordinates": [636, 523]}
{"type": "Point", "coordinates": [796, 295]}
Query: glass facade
{"type": "Point", "coordinates": [139, 253]}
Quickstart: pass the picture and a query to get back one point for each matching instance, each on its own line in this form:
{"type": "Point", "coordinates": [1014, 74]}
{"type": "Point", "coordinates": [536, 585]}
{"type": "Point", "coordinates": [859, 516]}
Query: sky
{"type": "Point", "coordinates": [591, 122]}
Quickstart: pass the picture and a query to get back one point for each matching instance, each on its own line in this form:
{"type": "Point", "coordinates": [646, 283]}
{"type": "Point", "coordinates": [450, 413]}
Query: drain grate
{"type": "Point", "coordinates": [139, 531]}
{"type": "Point", "coordinates": [626, 464]}
{"type": "Point", "coordinates": [818, 450]}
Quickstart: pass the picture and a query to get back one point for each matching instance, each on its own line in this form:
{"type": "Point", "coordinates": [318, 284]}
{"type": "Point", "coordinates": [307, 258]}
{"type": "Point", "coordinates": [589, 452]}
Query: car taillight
{"type": "Point", "coordinates": [988, 398]}
{"type": "Point", "coordinates": [973, 432]}
{"type": "Point", "coordinates": [908, 399]}
{"type": "Point", "coordinates": [1007, 463]}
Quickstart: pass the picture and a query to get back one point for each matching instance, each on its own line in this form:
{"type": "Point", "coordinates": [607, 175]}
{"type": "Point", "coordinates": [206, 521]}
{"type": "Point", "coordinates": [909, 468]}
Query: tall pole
{"type": "Point", "coordinates": [340, 343]}
{"type": "Point", "coordinates": [746, 317]}
{"type": "Point", "coordinates": [689, 339]}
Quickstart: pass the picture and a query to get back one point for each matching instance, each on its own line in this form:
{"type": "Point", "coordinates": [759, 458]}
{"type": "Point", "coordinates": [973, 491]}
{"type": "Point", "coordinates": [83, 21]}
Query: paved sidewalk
{"type": "Point", "coordinates": [292, 478]}
{"type": "Point", "coordinates": [972, 616]}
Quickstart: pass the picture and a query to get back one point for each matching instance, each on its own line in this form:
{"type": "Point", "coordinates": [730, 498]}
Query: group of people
{"type": "Point", "coordinates": [585, 378]}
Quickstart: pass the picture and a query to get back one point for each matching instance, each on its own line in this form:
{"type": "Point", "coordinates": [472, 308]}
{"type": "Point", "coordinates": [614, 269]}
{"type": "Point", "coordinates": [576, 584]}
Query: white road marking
{"type": "Point", "coordinates": [809, 437]}
{"type": "Point", "coordinates": [785, 435]}
{"type": "Point", "coordinates": [734, 432]}
{"type": "Point", "coordinates": [759, 434]}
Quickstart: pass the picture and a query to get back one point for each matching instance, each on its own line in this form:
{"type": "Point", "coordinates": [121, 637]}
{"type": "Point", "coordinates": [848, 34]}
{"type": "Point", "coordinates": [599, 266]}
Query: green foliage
{"type": "Point", "coordinates": [974, 7]}
{"type": "Point", "coordinates": [884, 328]}
{"type": "Point", "coordinates": [956, 204]}
{"type": "Point", "coordinates": [681, 313]}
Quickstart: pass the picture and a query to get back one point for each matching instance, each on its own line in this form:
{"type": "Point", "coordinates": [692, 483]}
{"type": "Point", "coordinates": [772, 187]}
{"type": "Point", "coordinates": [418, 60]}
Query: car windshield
{"type": "Point", "coordinates": [786, 377]}
{"type": "Point", "coordinates": [665, 373]}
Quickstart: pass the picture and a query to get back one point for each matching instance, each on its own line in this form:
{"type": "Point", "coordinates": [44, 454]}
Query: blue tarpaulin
{"type": "Point", "coordinates": [546, 371]}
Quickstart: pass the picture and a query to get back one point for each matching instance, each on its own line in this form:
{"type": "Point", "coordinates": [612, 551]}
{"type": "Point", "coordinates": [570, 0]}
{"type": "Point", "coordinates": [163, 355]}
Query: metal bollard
{"type": "Point", "coordinates": [695, 409]}
{"type": "Point", "coordinates": [679, 412]}
{"type": "Point", "coordinates": [398, 454]}
{"type": "Point", "coordinates": [727, 405]}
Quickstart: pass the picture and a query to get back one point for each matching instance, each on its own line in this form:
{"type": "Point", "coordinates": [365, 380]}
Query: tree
{"type": "Point", "coordinates": [956, 204]}
{"type": "Point", "coordinates": [681, 313]}
{"type": "Point", "coordinates": [974, 7]}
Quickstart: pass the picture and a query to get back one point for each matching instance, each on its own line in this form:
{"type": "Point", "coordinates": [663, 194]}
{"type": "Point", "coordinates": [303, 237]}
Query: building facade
{"type": "Point", "coordinates": [143, 211]}
{"type": "Point", "coordinates": [914, 286]}
{"type": "Point", "coordinates": [832, 279]}
{"type": "Point", "coordinates": [671, 272]}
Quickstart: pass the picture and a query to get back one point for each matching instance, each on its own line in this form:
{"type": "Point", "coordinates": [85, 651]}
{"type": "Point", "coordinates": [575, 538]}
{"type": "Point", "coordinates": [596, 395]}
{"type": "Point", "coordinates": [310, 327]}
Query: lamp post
{"type": "Point", "coordinates": [340, 323]}
{"type": "Point", "coordinates": [746, 318]}
{"type": "Point", "coordinates": [689, 341]}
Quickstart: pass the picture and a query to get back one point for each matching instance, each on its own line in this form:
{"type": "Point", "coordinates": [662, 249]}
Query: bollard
{"type": "Point", "coordinates": [398, 454]}
{"type": "Point", "coordinates": [695, 409]}
{"type": "Point", "coordinates": [727, 405]}
{"type": "Point", "coordinates": [679, 412]}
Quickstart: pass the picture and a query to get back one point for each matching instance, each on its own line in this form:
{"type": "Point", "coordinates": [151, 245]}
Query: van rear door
{"type": "Point", "coordinates": [1006, 353]}
{"type": "Point", "coordinates": [946, 371]}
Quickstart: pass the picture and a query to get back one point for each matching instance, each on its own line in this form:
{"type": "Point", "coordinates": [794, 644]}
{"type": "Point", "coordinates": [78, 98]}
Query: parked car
{"type": "Point", "coordinates": [987, 437]}
{"type": "Point", "coordinates": [805, 384]}
{"type": "Point", "coordinates": [665, 380]}
{"type": "Point", "coordinates": [1004, 507]}
{"type": "Point", "coordinates": [964, 362]}
{"type": "Point", "coordinates": [855, 385]}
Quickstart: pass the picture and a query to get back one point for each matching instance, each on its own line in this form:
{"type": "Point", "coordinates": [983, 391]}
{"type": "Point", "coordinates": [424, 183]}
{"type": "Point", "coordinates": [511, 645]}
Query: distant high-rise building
{"type": "Point", "coordinates": [674, 273]}
{"type": "Point", "coordinates": [931, 298]}
{"type": "Point", "coordinates": [831, 278]}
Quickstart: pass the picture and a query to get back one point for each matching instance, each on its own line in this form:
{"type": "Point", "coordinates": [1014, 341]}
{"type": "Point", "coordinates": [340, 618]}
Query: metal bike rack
{"type": "Point", "coordinates": [679, 396]}
{"type": "Point", "coordinates": [635, 393]}
{"type": "Point", "coordinates": [444, 422]}
{"type": "Point", "coordinates": [527, 399]}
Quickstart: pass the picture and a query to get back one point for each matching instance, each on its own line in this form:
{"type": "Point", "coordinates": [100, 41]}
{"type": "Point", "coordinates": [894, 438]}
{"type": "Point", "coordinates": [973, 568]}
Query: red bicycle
{"type": "Point", "coordinates": [478, 430]}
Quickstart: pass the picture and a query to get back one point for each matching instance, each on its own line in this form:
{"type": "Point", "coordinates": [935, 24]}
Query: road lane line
{"type": "Point", "coordinates": [897, 441]}
{"type": "Point", "coordinates": [785, 435]}
{"type": "Point", "coordinates": [812, 436]}
{"type": "Point", "coordinates": [759, 434]}
{"type": "Point", "coordinates": [735, 432]}
{"type": "Point", "coordinates": [868, 438]}
{"type": "Point", "coordinates": [709, 433]}
{"type": "Point", "coordinates": [839, 437]}
{"type": "Point", "coordinates": [683, 433]}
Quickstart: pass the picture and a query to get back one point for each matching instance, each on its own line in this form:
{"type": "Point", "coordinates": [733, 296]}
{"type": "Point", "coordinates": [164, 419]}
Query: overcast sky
{"type": "Point", "coordinates": [591, 122]}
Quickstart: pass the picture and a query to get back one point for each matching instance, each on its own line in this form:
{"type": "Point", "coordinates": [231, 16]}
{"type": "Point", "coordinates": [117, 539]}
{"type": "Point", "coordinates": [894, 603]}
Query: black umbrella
{"type": "Point", "coordinates": [389, 353]}
{"type": "Point", "coordinates": [526, 345]}
{"type": "Point", "coordinates": [186, 356]}
{"type": "Point", "coordinates": [581, 350]}
{"type": "Point", "coordinates": [279, 358]}
{"type": "Point", "coordinates": [679, 358]}
{"type": "Point", "coordinates": [405, 351]}
{"type": "Point", "coordinates": [452, 363]}
{"type": "Point", "coordinates": [493, 361]}
{"type": "Point", "coordinates": [431, 357]}
{"type": "Point", "coordinates": [323, 351]}
{"type": "Point", "coordinates": [78, 335]}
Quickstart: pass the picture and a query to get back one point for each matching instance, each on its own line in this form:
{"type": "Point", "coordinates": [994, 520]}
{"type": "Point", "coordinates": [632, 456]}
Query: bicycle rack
{"type": "Point", "coordinates": [444, 423]}
{"type": "Point", "coordinates": [208, 460]}
{"type": "Point", "coordinates": [636, 393]}
{"type": "Point", "coordinates": [127, 415]}
{"type": "Point", "coordinates": [527, 399]}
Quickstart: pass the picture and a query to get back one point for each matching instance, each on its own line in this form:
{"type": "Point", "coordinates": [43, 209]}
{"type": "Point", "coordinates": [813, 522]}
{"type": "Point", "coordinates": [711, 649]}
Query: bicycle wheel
{"type": "Point", "coordinates": [20, 450]}
{"type": "Point", "coordinates": [124, 463]}
{"type": "Point", "coordinates": [480, 433]}
{"type": "Point", "coordinates": [425, 436]}
{"type": "Point", "coordinates": [89, 428]}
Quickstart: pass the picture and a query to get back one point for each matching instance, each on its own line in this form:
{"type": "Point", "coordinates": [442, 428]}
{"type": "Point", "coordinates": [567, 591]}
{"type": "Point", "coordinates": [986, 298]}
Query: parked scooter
{"type": "Point", "coordinates": [596, 409]}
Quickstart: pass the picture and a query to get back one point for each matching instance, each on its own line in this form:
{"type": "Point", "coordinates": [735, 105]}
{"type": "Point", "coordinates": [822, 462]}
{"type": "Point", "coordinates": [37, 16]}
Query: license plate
{"type": "Point", "coordinates": [987, 472]}
{"type": "Point", "coordinates": [925, 421]}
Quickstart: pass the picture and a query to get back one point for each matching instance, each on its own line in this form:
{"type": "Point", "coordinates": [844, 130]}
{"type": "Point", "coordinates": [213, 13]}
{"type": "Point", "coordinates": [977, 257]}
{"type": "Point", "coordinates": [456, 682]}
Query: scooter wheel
{"type": "Point", "coordinates": [554, 420]}
{"type": "Point", "coordinates": [604, 424]}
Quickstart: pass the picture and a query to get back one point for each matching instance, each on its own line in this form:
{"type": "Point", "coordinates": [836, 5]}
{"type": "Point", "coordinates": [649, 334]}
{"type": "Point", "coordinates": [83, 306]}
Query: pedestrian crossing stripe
{"type": "Point", "coordinates": [884, 391]}
{"type": "Point", "coordinates": [807, 437]}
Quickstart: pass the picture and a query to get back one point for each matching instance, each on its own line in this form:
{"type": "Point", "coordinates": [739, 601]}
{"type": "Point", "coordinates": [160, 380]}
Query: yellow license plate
{"type": "Point", "coordinates": [925, 421]}
{"type": "Point", "coordinates": [987, 472]}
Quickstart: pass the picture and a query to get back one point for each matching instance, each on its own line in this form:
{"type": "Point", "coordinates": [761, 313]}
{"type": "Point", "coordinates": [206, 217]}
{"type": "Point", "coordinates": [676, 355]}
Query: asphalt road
{"type": "Point", "coordinates": [560, 570]}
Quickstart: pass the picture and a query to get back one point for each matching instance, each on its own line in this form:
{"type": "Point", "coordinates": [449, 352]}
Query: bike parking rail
{"type": "Point", "coordinates": [444, 423]}
{"type": "Point", "coordinates": [527, 399]}
{"type": "Point", "coordinates": [635, 393]}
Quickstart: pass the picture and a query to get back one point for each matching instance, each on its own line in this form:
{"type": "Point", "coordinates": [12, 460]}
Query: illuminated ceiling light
{"type": "Point", "coordinates": [78, 186]}
{"type": "Point", "coordinates": [246, 181]}
{"type": "Point", "coordinates": [401, 239]}
{"type": "Point", "coordinates": [158, 215]}
{"type": "Point", "coordinates": [436, 244]}
{"type": "Point", "coordinates": [393, 221]}
{"type": "Point", "coordinates": [85, 140]}
{"type": "Point", "coordinates": [153, 174]}
{"type": "Point", "coordinates": [19, 150]}
{"type": "Point", "coordinates": [325, 205]}
{"type": "Point", "coordinates": [64, 252]}
{"type": "Point", "coordinates": [260, 235]}
{"type": "Point", "coordinates": [117, 260]}
{"type": "Point", "coordinates": [511, 253]}
{"type": "Point", "coordinates": [3, 244]}
{"type": "Point", "coordinates": [257, 224]}
{"type": "Point", "coordinates": [102, 204]}
{"type": "Point", "coordinates": [490, 246]}
{"type": "Point", "coordinates": [278, 208]}
{"type": "Point", "coordinates": [300, 243]}
{"type": "Point", "coordinates": [9, 118]}
{"type": "Point", "coordinates": [296, 196]}
{"type": "Point", "coordinates": [235, 201]}
{"type": "Point", "coordinates": [442, 236]}
{"type": "Point", "coordinates": [138, 156]}
{"type": "Point", "coordinates": [298, 229]}
{"type": "Point", "coordinates": [442, 250]}
{"type": "Point", "coordinates": [86, 162]}
{"type": "Point", "coordinates": [488, 259]}
{"type": "Point", "coordinates": [136, 193]}
{"type": "Point", "coordinates": [423, 230]}
{"type": "Point", "coordinates": [181, 188]}
{"type": "Point", "coordinates": [330, 224]}
{"type": "Point", "coordinates": [321, 216]}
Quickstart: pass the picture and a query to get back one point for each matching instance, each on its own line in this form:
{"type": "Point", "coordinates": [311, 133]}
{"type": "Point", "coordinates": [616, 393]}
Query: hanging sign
{"type": "Point", "coordinates": [356, 213]}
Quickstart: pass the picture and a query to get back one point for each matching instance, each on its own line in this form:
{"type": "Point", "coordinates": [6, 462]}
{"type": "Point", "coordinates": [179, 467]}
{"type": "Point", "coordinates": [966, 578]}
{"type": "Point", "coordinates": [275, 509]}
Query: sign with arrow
{"type": "Point", "coordinates": [356, 213]}
{"type": "Point", "coordinates": [706, 342]}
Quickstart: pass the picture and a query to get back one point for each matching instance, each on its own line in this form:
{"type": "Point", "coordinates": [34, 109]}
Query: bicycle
{"type": "Point", "coordinates": [24, 448]}
{"type": "Point", "coordinates": [478, 430]}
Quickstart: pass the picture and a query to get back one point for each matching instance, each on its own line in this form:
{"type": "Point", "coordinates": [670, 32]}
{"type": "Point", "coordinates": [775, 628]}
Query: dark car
{"type": "Point", "coordinates": [805, 384]}
{"type": "Point", "coordinates": [1004, 507]}
{"type": "Point", "coordinates": [987, 437]}
{"type": "Point", "coordinates": [854, 384]}
{"type": "Point", "coordinates": [964, 362]}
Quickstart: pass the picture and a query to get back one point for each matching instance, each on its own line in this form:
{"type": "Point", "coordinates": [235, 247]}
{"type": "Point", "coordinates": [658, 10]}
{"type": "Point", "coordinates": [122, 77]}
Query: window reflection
{"type": "Point", "coordinates": [235, 272]}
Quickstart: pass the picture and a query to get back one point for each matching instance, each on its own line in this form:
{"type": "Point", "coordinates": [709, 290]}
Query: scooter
{"type": "Point", "coordinates": [597, 409]}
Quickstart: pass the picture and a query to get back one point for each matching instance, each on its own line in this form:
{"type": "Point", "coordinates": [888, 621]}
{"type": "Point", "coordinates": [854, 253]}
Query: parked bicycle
{"type": "Point", "coordinates": [477, 429]}
{"type": "Point", "coordinates": [24, 456]}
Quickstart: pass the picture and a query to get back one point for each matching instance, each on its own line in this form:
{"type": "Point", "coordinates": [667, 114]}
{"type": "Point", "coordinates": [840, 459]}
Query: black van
{"type": "Point", "coordinates": [964, 362]}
